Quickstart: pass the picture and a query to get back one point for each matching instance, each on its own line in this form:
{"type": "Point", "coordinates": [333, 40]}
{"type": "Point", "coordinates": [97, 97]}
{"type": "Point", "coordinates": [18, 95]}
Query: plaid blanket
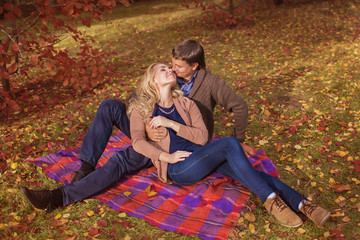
{"type": "Point", "coordinates": [207, 209]}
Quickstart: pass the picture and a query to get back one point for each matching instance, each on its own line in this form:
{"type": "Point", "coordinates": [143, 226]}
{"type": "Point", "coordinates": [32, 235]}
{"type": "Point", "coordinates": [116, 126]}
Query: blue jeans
{"type": "Point", "coordinates": [227, 157]}
{"type": "Point", "coordinates": [110, 113]}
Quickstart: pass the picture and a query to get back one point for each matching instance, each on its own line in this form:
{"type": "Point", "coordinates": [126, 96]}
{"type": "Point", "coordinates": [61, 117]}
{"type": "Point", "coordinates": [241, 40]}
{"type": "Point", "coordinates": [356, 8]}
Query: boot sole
{"type": "Point", "coordinates": [323, 221]}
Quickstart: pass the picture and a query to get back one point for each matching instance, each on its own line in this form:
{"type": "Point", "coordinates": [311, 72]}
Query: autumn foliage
{"type": "Point", "coordinates": [226, 13]}
{"type": "Point", "coordinates": [30, 32]}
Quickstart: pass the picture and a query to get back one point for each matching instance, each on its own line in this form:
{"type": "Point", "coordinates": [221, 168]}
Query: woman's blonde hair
{"type": "Point", "coordinates": [147, 94]}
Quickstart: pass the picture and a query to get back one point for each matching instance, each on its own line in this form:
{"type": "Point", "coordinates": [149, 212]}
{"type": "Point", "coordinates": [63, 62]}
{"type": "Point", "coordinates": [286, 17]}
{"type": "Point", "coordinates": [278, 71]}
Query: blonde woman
{"type": "Point", "coordinates": [184, 157]}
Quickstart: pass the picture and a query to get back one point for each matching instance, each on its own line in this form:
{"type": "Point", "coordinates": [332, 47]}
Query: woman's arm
{"type": "Point", "coordinates": [142, 146]}
{"type": "Point", "coordinates": [195, 132]}
{"type": "Point", "coordinates": [138, 137]}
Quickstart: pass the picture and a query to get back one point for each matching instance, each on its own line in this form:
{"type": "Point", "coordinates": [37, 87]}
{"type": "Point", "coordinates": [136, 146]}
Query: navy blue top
{"type": "Point", "coordinates": [176, 142]}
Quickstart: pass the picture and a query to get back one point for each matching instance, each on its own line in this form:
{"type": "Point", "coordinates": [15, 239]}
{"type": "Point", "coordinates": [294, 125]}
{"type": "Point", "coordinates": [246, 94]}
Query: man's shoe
{"type": "Point", "coordinates": [281, 212]}
{"type": "Point", "coordinates": [317, 214]}
{"type": "Point", "coordinates": [43, 199]}
{"type": "Point", "coordinates": [84, 170]}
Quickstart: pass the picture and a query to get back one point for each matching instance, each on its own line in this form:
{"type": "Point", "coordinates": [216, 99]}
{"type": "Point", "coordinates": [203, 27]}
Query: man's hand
{"type": "Point", "coordinates": [155, 134]}
{"type": "Point", "coordinates": [247, 149]}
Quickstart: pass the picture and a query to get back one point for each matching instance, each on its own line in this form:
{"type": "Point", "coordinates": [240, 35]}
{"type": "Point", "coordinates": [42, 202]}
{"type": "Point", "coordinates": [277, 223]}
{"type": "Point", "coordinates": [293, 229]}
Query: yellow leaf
{"type": "Point", "coordinates": [263, 142]}
{"type": "Point", "coordinates": [90, 213]}
{"type": "Point", "coordinates": [250, 217]}
{"type": "Point", "coordinates": [355, 180]}
{"type": "Point", "coordinates": [31, 216]}
{"type": "Point", "coordinates": [337, 214]}
{"type": "Point", "coordinates": [346, 219]}
{"type": "Point", "coordinates": [241, 220]}
{"type": "Point", "coordinates": [340, 199]}
{"type": "Point", "coordinates": [297, 147]}
{"type": "Point", "coordinates": [313, 184]}
{"type": "Point", "coordinates": [150, 192]}
{"type": "Point", "coordinates": [13, 165]}
{"type": "Point", "coordinates": [127, 193]}
{"type": "Point", "coordinates": [2, 226]}
{"type": "Point", "coordinates": [66, 215]}
{"type": "Point", "coordinates": [341, 153]}
{"type": "Point", "coordinates": [252, 228]}
{"type": "Point", "coordinates": [122, 215]}
{"type": "Point", "coordinates": [58, 216]}
{"type": "Point", "coordinates": [327, 234]}
{"type": "Point", "coordinates": [301, 230]}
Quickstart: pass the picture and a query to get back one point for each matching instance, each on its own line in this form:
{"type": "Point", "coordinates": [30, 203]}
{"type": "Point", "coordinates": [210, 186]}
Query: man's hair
{"type": "Point", "coordinates": [190, 51]}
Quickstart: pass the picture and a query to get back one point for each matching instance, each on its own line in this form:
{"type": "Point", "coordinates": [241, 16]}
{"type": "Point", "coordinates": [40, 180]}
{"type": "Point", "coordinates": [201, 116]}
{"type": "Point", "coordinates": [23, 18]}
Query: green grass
{"type": "Point", "coordinates": [296, 67]}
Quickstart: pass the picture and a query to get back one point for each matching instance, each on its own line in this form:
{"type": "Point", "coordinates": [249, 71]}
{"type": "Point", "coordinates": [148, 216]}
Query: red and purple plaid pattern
{"type": "Point", "coordinates": [207, 209]}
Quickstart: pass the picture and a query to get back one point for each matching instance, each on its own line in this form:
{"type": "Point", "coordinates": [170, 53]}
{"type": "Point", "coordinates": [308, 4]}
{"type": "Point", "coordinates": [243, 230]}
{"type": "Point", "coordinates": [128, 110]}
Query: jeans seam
{"type": "Point", "coordinates": [190, 166]}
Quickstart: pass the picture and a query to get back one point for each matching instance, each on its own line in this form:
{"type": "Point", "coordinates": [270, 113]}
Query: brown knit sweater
{"type": "Point", "coordinates": [208, 91]}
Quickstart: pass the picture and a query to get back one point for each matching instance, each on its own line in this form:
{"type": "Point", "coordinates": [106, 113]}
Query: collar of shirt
{"type": "Point", "coordinates": [187, 86]}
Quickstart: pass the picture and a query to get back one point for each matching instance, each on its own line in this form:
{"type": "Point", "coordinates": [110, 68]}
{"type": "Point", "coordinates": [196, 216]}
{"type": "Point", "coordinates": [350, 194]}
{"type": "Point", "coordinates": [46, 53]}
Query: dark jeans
{"type": "Point", "coordinates": [227, 157]}
{"type": "Point", "coordinates": [110, 113]}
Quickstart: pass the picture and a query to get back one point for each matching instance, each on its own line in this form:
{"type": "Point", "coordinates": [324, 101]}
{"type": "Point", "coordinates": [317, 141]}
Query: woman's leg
{"type": "Point", "coordinates": [228, 150]}
{"type": "Point", "coordinates": [291, 197]}
{"type": "Point", "coordinates": [210, 157]}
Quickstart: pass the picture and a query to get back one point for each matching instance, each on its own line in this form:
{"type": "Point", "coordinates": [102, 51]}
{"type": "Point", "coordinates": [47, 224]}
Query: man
{"type": "Point", "coordinates": [206, 89]}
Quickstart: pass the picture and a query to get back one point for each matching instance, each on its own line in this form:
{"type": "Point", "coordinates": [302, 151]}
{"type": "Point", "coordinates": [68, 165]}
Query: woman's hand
{"type": "Point", "coordinates": [175, 157]}
{"type": "Point", "coordinates": [160, 121]}
{"type": "Point", "coordinates": [155, 134]}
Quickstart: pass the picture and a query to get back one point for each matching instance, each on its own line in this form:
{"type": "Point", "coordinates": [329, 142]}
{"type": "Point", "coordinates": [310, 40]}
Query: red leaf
{"type": "Point", "coordinates": [34, 60]}
{"type": "Point", "coordinates": [93, 232]}
{"type": "Point", "coordinates": [17, 11]}
{"type": "Point", "coordinates": [8, 6]}
{"type": "Point", "coordinates": [15, 47]}
{"type": "Point", "coordinates": [9, 16]}
{"type": "Point", "coordinates": [13, 67]}
{"type": "Point", "coordinates": [1, 10]}
{"type": "Point", "coordinates": [357, 165]}
{"type": "Point", "coordinates": [102, 223]}
{"type": "Point", "coordinates": [46, 2]}
{"type": "Point", "coordinates": [12, 104]}
{"type": "Point", "coordinates": [43, 44]}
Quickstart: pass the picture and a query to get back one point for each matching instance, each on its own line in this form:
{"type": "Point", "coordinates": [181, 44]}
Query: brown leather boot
{"type": "Point", "coordinates": [282, 213]}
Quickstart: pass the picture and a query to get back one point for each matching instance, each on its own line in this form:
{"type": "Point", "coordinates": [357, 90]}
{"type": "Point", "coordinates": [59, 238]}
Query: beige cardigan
{"type": "Point", "coordinates": [194, 131]}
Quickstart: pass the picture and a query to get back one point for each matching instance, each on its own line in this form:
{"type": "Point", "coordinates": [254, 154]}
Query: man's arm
{"type": "Point", "coordinates": [225, 96]}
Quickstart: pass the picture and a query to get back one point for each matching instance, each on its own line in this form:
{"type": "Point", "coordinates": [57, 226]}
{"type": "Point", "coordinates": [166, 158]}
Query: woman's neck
{"type": "Point", "coordinates": [166, 98]}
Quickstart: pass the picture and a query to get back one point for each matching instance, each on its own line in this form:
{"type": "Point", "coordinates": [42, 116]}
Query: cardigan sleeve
{"type": "Point", "coordinates": [138, 137]}
{"type": "Point", "coordinates": [196, 130]}
{"type": "Point", "coordinates": [225, 96]}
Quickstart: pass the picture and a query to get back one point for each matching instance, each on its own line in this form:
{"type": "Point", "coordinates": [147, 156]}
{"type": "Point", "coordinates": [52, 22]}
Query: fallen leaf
{"type": "Point", "coordinates": [250, 217]}
{"type": "Point", "coordinates": [346, 219]}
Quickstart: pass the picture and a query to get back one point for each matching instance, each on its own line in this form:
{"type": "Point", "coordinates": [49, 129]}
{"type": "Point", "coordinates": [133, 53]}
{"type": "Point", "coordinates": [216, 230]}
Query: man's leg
{"type": "Point", "coordinates": [120, 164]}
{"type": "Point", "coordinates": [109, 113]}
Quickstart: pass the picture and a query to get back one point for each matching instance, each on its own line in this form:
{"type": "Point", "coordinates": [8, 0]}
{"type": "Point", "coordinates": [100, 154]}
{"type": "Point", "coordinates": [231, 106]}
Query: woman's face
{"type": "Point", "coordinates": [164, 75]}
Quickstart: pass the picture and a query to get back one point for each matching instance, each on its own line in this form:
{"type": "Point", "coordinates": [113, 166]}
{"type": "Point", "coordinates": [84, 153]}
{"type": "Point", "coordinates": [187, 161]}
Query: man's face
{"type": "Point", "coordinates": [183, 69]}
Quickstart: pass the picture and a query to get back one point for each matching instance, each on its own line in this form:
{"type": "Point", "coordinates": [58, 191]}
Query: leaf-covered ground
{"type": "Point", "coordinates": [296, 67]}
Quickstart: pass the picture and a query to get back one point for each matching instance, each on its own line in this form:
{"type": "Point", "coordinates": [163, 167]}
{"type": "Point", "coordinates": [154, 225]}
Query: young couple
{"type": "Point", "coordinates": [171, 124]}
